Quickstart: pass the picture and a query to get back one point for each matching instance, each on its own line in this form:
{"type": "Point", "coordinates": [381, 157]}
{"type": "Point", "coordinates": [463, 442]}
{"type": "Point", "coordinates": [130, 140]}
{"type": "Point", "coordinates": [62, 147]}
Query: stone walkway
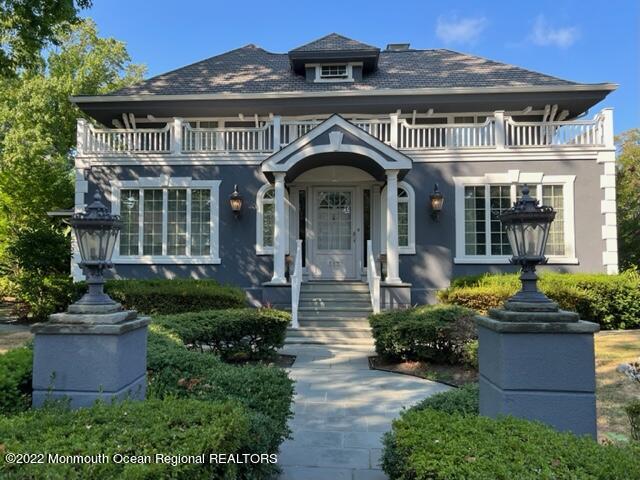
{"type": "Point", "coordinates": [341, 411]}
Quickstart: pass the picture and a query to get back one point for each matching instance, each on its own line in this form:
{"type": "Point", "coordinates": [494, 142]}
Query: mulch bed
{"type": "Point", "coordinates": [454, 375]}
{"type": "Point", "coordinates": [282, 361]}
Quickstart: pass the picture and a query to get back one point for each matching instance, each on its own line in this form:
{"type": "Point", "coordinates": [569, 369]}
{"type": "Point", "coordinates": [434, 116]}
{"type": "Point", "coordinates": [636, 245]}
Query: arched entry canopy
{"type": "Point", "coordinates": [337, 141]}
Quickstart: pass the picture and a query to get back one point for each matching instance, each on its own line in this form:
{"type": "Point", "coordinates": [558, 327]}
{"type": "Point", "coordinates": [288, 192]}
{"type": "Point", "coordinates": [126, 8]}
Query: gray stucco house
{"type": "Point", "coordinates": [336, 148]}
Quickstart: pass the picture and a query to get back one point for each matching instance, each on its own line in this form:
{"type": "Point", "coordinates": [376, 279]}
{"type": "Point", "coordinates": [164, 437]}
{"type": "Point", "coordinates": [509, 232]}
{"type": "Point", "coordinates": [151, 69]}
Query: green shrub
{"type": "Point", "coordinates": [464, 400]}
{"type": "Point", "coordinates": [633, 412]}
{"type": "Point", "coordinates": [170, 426]}
{"type": "Point", "coordinates": [39, 296]}
{"type": "Point", "coordinates": [613, 301]}
{"type": "Point", "coordinates": [175, 371]}
{"type": "Point", "coordinates": [470, 354]}
{"type": "Point", "coordinates": [165, 297]}
{"type": "Point", "coordinates": [437, 333]}
{"type": "Point", "coordinates": [15, 380]}
{"type": "Point", "coordinates": [246, 333]}
{"type": "Point", "coordinates": [427, 444]}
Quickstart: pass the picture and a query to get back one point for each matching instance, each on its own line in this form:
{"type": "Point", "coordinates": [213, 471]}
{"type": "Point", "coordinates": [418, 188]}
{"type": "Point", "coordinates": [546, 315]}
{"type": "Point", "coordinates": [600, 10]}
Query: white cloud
{"type": "Point", "coordinates": [545, 35]}
{"type": "Point", "coordinates": [452, 29]}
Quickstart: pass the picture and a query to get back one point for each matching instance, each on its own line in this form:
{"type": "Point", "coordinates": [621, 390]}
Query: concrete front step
{"type": "Point", "coordinates": [336, 336]}
{"type": "Point", "coordinates": [329, 318]}
{"type": "Point", "coordinates": [335, 287]}
{"type": "Point", "coordinates": [329, 310]}
{"type": "Point", "coordinates": [334, 323]}
{"type": "Point", "coordinates": [333, 302]}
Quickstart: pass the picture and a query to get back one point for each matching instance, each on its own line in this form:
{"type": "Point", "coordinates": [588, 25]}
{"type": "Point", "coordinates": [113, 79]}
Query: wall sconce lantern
{"type": "Point", "coordinates": [437, 200]}
{"type": "Point", "coordinates": [96, 232]}
{"type": "Point", "coordinates": [235, 200]}
{"type": "Point", "coordinates": [527, 225]}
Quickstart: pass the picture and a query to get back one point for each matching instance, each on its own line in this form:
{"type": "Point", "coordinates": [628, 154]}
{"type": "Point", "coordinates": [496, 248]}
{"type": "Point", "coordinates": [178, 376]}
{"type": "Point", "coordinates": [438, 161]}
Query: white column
{"type": "Point", "coordinates": [81, 135]}
{"type": "Point", "coordinates": [177, 136]}
{"type": "Point", "coordinates": [393, 268]}
{"type": "Point", "coordinates": [500, 126]}
{"type": "Point", "coordinates": [279, 232]}
{"type": "Point", "coordinates": [394, 129]}
{"type": "Point", "coordinates": [276, 133]}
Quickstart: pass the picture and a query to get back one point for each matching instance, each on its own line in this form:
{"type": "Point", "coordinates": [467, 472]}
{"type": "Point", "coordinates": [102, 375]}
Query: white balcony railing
{"type": "Point", "coordinates": [497, 132]}
{"type": "Point", "coordinates": [537, 134]}
{"type": "Point", "coordinates": [120, 140]}
{"type": "Point", "coordinates": [228, 139]}
{"type": "Point", "coordinates": [422, 137]}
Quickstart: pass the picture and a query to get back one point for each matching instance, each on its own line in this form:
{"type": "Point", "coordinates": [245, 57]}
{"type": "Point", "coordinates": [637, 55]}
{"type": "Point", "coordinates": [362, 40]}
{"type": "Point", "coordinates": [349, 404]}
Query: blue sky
{"type": "Point", "coordinates": [588, 41]}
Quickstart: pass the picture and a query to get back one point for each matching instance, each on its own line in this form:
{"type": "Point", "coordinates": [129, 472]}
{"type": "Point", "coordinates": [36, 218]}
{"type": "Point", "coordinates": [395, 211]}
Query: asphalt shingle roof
{"type": "Point", "coordinates": [331, 42]}
{"type": "Point", "coordinates": [251, 69]}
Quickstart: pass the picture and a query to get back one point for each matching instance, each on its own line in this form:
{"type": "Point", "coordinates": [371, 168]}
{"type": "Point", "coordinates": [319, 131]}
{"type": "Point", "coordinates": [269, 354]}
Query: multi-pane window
{"type": "Point", "coordinates": [333, 71]}
{"type": "Point", "coordinates": [403, 218]}
{"type": "Point", "coordinates": [474, 220]}
{"type": "Point", "coordinates": [268, 217]}
{"type": "Point", "coordinates": [172, 222]}
{"type": "Point", "coordinates": [552, 195]}
{"type": "Point", "coordinates": [200, 222]}
{"type": "Point", "coordinates": [152, 222]}
{"type": "Point", "coordinates": [334, 221]}
{"type": "Point", "coordinates": [177, 222]}
{"type": "Point", "coordinates": [484, 234]}
{"type": "Point", "coordinates": [499, 200]}
{"type": "Point", "coordinates": [130, 216]}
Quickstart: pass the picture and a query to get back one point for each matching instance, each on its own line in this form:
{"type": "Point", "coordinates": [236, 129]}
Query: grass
{"type": "Point", "coordinates": [614, 389]}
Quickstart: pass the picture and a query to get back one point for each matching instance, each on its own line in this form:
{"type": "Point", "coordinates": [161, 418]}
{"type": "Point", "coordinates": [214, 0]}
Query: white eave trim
{"type": "Point", "coordinates": [348, 93]}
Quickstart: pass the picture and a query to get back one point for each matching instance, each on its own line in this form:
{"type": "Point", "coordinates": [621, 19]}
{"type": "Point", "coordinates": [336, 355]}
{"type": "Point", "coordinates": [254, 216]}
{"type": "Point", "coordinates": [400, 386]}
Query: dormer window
{"type": "Point", "coordinates": [333, 72]}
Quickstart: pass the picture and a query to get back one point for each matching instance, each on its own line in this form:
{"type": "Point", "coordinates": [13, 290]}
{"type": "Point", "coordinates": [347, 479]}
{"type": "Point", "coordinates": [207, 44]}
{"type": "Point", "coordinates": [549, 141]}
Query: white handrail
{"type": "Point", "coordinates": [296, 282]}
{"type": "Point", "coordinates": [373, 278]}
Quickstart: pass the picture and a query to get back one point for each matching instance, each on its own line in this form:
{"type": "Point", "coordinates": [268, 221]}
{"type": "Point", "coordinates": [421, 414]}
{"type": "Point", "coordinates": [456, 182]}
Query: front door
{"type": "Point", "coordinates": [334, 252]}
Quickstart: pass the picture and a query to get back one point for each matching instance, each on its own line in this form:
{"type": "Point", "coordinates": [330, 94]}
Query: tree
{"type": "Point", "coordinates": [37, 142]}
{"type": "Point", "coordinates": [29, 26]}
{"type": "Point", "coordinates": [628, 197]}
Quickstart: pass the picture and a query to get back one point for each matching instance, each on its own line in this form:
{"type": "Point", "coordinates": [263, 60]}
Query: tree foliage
{"type": "Point", "coordinates": [37, 144]}
{"type": "Point", "coordinates": [28, 26]}
{"type": "Point", "coordinates": [628, 193]}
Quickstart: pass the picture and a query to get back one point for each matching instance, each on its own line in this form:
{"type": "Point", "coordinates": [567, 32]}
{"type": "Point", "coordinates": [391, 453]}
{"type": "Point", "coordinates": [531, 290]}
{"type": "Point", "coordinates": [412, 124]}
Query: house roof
{"type": "Point", "coordinates": [251, 69]}
{"type": "Point", "coordinates": [333, 41]}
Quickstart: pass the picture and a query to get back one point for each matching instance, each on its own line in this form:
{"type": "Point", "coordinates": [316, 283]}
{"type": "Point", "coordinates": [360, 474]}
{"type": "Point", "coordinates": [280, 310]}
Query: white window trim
{"type": "Point", "coordinates": [260, 248]}
{"type": "Point", "coordinates": [513, 178]}
{"type": "Point", "coordinates": [318, 72]}
{"type": "Point", "coordinates": [165, 181]}
{"type": "Point", "coordinates": [411, 200]}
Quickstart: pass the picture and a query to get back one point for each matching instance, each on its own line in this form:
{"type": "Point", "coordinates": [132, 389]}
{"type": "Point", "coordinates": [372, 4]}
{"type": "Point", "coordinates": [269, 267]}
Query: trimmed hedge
{"type": "Point", "coordinates": [464, 400]}
{"type": "Point", "coordinates": [15, 380]}
{"type": "Point", "coordinates": [169, 426]}
{"type": "Point", "coordinates": [164, 297]}
{"type": "Point", "coordinates": [174, 371]}
{"type": "Point", "coordinates": [247, 333]}
{"type": "Point", "coordinates": [437, 333]}
{"type": "Point", "coordinates": [613, 301]}
{"type": "Point", "coordinates": [428, 444]}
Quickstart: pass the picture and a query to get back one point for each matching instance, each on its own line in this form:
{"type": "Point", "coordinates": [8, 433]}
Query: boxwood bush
{"type": "Point", "coordinates": [15, 380]}
{"type": "Point", "coordinates": [159, 297]}
{"type": "Point", "coordinates": [247, 333]}
{"type": "Point", "coordinates": [169, 426]}
{"type": "Point", "coordinates": [613, 301]}
{"type": "Point", "coordinates": [437, 333]}
{"type": "Point", "coordinates": [464, 400]}
{"type": "Point", "coordinates": [429, 444]}
{"type": "Point", "coordinates": [175, 371]}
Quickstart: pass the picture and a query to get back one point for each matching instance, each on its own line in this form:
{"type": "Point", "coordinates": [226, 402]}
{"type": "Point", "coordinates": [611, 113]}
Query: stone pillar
{"type": "Point", "coordinates": [538, 365]}
{"type": "Point", "coordinates": [393, 268]}
{"type": "Point", "coordinates": [88, 353]}
{"type": "Point", "coordinates": [280, 232]}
